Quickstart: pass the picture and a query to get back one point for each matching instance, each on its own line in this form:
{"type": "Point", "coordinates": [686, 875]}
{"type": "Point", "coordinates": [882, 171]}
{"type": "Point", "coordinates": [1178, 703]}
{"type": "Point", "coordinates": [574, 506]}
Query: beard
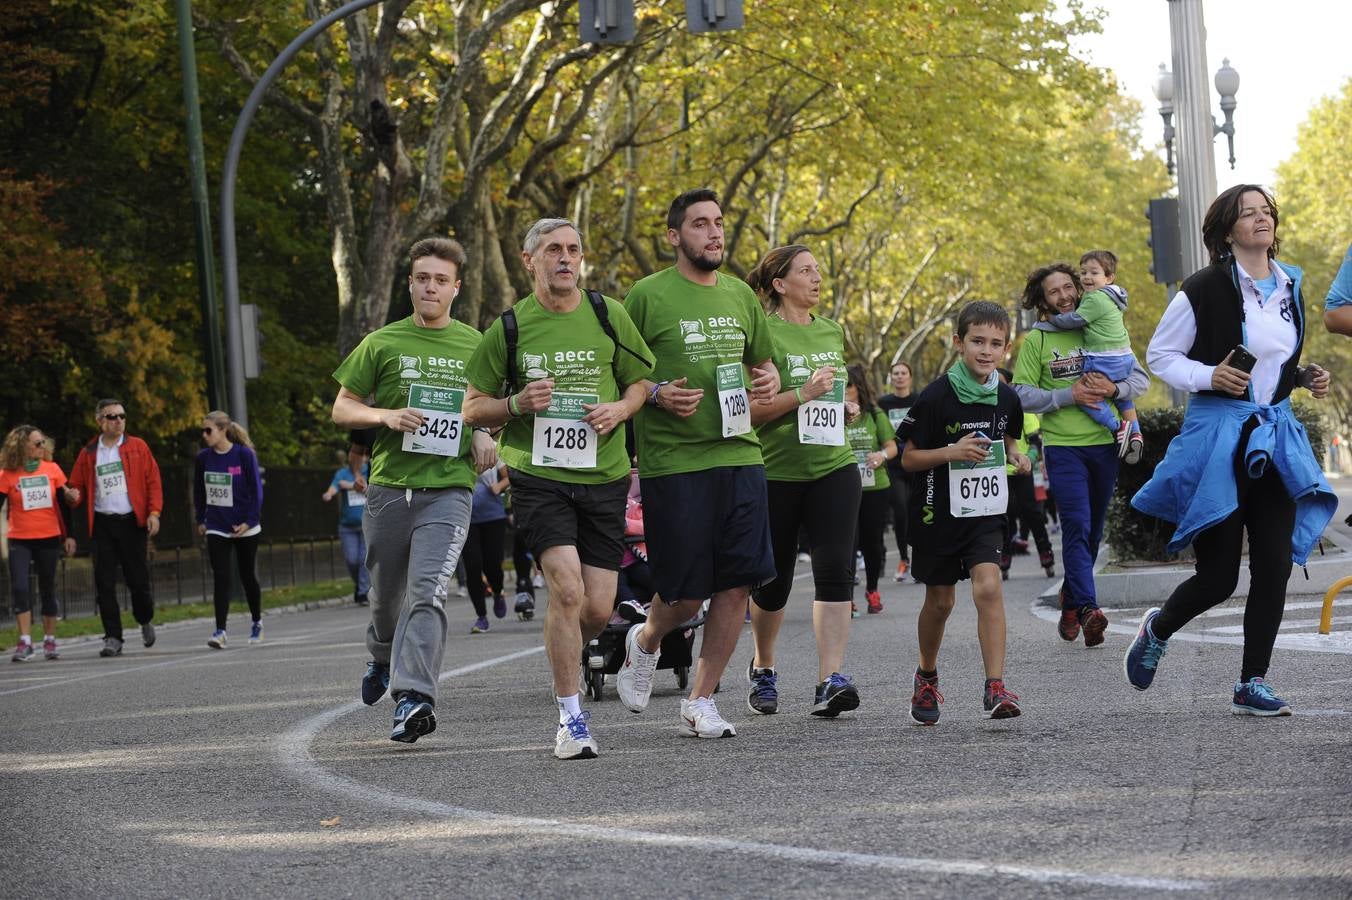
{"type": "Point", "coordinates": [699, 259]}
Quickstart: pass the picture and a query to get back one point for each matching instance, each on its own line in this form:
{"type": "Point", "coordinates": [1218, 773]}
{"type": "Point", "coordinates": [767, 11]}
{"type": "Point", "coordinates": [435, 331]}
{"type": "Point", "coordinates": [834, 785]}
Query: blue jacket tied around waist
{"type": "Point", "coordinates": [1194, 486]}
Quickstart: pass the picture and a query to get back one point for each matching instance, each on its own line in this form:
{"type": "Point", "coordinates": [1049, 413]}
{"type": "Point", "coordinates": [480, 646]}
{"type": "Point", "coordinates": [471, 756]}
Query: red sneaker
{"type": "Point", "coordinates": [999, 702]}
{"type": "Point", "coordinates": [1069, 626]}
{"type": "Point", "coordinates": [1095, 623]}
{"type": "Point", "coordinates": [875, 602]}
{"type": "Point", "coordinates": [925, 700]}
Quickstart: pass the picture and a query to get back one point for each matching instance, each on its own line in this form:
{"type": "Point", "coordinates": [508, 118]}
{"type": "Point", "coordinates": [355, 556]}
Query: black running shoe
{"type": "Point", "coordinates": [413, 718]}
{"type": "Point", "coordinates": [835, 695]}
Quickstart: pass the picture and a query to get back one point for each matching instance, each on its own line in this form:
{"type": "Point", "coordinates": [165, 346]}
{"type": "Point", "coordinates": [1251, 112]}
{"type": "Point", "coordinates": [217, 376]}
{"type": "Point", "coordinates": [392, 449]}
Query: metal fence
{"type": "Point", "coordinates": [183, 575]}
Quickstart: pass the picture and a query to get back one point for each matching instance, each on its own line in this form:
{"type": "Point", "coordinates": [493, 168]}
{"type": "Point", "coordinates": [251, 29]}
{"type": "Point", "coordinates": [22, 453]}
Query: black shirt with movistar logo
{"type": "Point", "coordinates": [936, 419]}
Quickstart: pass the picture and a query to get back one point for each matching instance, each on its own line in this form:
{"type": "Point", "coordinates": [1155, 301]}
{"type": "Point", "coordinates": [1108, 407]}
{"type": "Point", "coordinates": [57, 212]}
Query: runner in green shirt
{"type": "Point", "coordinates": [422, 470]}
{"type": "Point", "coordinates": [873, 439]}
{"type": "Point", "coordinates": [703, 478]}
{"type": "Point", "coordinates": [812, 481]}
{"type": "Point", "coordinates": [563, 441]}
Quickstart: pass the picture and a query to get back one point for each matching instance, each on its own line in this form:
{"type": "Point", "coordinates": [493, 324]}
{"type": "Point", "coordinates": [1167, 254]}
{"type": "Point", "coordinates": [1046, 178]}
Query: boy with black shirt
{"type": "Point", "coordinates": [958, 435]}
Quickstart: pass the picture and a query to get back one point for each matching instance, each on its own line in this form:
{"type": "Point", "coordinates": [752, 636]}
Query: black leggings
{"type": "Point", "coordinates": [521, 561]}
{"type": "Point", "coordinates": [1269, 514]}
{"type": "Point", "coordinates": [898, 498]}
{"type": "Point", "coordinates": [827, 508]}
{"type": "Point", "coordinates": [483, 556]}
{"type": "Point", "coordinates": [22, 552]}
{"type": "Point", "coordinates": [872, 525]}
{"type": "Point", "coordinates": [246, 555]}
{"type": "Point", "coordinates": [1023, 507]}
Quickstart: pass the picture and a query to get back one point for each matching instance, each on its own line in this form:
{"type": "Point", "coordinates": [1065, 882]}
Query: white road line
{"type": "Point", "coordinates": [293, 751]}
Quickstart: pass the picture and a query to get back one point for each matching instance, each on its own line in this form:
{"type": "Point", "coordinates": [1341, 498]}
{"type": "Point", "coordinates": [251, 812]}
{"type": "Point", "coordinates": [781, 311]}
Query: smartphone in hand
{"type": "Point", "coordinates": [1242, 358]}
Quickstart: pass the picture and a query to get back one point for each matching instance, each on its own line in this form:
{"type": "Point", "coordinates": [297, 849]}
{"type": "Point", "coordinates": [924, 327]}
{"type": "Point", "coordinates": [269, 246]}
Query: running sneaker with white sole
{"type": "Point", "coordinates": [23, 652]}
{"type": "Point", "coordinates": [111, 647]}
{"type": "Point", "coordinates": [998, 701]}
{"type": "Point", "coordinates": [1143, 656]}
{"type": "Point", "coordinates": [1135, 449]}
{"type": "Point", "coordinates": [574, 740]}
{"type": "Point", "coordinates": [49, 648]}
{"type": "Point", "coordinates": [1255, 698]}
{"type": "Point", "coordinates": [901, 570]}
{"type": "Point", "coordinates": [413, 718]}
{"type": "Point", "coordinates": [375, 682]}
{"type": "Point", "coordinates": [925, 700]}
{"type": "Point", "coordinates": [217, 639]}
{"type": "Point", "coordinates": [1123, 438]}
{"type": "Point", "coordinates": [256, 633]}
{"type": "Point", "coordinates": [700, 718]}
{"type": "Point", "coordinates": [634, 682]}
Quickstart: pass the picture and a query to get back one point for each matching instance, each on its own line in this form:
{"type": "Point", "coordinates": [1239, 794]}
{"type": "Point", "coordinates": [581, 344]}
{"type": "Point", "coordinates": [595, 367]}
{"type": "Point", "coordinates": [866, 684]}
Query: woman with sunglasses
{"type": "Point", "coordinates": [39, 529]}
{"type": "Point", "coordinates": [228, 498]}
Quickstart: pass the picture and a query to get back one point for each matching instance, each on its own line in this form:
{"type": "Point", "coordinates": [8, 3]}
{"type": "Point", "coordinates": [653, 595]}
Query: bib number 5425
{"type": "Point", "coordinates": [443, 425]}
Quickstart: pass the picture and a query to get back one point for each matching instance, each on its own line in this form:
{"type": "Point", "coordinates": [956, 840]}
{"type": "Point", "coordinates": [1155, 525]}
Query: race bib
{"type": "Point", "coordinates": [732, 400]}
{"type": "Point", "coordinates": [112, 480]}
{"type": "Point", "coordinates": [36, 491]}
{"type": "Point", "coordinates": [443, 424]}
{"type": "Point", "coordinates": [896, 415]}
{"type": "Point", "coordinates": [979, 489]}
{"type": "Point", "coordinates": [356, 498]}
{"type": "Point", "coordinates": [1039, 479]}
{"type": "Point", "coordinates": [562, 439]}
{"type": "Point", "coordinates": [868, 477]}
{"type": "Point", "coordinates": [220, 489]}
{"type": "Point", "coordinates": [822, 421]}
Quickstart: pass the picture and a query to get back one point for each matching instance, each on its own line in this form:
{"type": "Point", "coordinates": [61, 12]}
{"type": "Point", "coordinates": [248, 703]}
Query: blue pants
{"type": "Point", "coordinates": [1116, 367]}
{"type": "Point", "coordinates": [1082, 479]}
{"type": "Point", "coordinates": [354, 555]}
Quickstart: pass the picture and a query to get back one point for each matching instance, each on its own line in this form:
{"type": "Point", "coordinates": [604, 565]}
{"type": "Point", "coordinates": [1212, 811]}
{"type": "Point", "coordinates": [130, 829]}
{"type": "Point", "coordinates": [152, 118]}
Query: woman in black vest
{"type": "Point", "coordinates": [1232, 338]}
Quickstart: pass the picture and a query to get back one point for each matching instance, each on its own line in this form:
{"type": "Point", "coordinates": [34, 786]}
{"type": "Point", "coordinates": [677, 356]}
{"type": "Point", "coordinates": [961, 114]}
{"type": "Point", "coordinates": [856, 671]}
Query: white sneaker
{"type": "Point", "coordinates": [538, 580]}
{"type": "Point", "coordinates": [635, 679]}
{"type": "Point", "coordinates": [574, 740]}
{"type": "Point", "coordinates": [700, 718]}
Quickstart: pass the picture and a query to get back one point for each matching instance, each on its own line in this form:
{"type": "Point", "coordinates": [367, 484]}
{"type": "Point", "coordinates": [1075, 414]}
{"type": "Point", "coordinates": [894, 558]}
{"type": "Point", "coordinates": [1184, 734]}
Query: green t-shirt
{"type": "Point", "coordinates": [692, 329]}
{"type": "Point", "coordinates": [868, 434]}
{"type": "Point", "coordinates": [1104, 327]}
{"type": "Point", "coordinates": [389, 362]}
{"type": "Point", "coordinates": [575, 351]}
{"type": "Point", "coordinates": [1055, 359]}
{"type": "Point", "coordinates": [801, 350]}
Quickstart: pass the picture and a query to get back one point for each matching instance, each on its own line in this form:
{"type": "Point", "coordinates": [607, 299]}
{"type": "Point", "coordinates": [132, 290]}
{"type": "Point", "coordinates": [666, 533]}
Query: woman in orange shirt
{"type": "Point", "coordinates": [39, 526]}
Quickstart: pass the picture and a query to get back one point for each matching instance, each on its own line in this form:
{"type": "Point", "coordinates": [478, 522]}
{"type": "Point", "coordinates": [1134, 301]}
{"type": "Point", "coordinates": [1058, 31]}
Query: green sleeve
{"type": "Point", "coordinates": [1028, 367]}
{"type": "Point", "coordinates": [358, 372]}
{"type": "Point", "coordinates": [628, 368]}
{"type": "Point", "coordinates": [1095, 306]}
{"type": "Point", "coordinates": [488, 366]}
{"type": "Point", "coordinates": [882, 427]}
{"type": "Point", "coordinates": [760, 345]}
{"type": "Point", "coordinates": [635, 307]}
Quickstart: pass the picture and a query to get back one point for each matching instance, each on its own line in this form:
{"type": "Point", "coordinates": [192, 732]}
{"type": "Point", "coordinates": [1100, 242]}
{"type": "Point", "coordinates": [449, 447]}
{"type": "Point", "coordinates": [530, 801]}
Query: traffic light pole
{"type": "Point", "coordinates": [234, 338]}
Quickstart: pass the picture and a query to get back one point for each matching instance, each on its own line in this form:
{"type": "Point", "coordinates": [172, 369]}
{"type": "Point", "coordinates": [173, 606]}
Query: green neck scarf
{"type": "Point", "coordinates": [968, 389]}
{"type": "Point", "coordinates": [31, 465]}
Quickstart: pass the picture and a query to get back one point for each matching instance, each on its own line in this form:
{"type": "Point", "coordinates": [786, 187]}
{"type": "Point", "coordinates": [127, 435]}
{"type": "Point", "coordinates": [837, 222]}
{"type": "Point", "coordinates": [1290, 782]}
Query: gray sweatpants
{"type": "Point", "coordinates": [413, 542]}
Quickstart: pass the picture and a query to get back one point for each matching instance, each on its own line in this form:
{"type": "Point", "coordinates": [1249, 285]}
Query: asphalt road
{"type": "Point", "coordinates": [183, 771]}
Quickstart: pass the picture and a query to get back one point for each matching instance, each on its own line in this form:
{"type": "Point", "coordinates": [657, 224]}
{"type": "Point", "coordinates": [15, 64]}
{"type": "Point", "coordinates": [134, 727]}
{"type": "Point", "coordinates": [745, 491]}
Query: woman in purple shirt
{"type": "Point", "coordinates": [228, 497]}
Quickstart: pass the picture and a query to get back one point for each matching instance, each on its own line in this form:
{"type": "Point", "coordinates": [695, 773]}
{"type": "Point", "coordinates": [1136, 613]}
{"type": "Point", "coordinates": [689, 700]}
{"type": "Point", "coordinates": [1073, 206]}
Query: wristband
{"type": "Point", "coordinates": [512, 408]}
{"type": "Point", "coordinates": [484, 429]}
{"type": "Point", "coordinates": [798, 392]}
{"type": "Point", "coordinates": [652, 394]}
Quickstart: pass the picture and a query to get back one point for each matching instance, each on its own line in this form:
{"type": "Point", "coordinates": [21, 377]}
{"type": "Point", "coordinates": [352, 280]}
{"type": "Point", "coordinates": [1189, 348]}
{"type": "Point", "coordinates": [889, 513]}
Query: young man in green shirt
{"type": "Point", "coordinates": [704, 499]}
{"type": "Point", "coordinates": [563, 441]}
{"type": "Point", "coordinates": [423, 466]}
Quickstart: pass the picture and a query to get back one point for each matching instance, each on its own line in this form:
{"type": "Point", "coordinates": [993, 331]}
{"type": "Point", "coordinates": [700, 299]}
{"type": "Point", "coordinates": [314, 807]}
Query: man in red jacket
{"type": "Point", "coordinates": [119, 476]}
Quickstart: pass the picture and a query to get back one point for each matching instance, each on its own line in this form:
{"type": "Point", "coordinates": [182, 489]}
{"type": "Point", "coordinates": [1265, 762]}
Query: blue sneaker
{"type": "Point", "coordinates": [375, 682]}
{"type": "Point", "coordinates": [1255, 698]}
{"type": "Point", "coordinates": [256, 633]}
{"type": "Point", "coordinates": [764, 696]}
{"type": "Point", "coordinates": [413, 718]}
{"type": "Point", "coordinates": [835, 695]}
{"type": "Point", "coordinates": [1144, 654]}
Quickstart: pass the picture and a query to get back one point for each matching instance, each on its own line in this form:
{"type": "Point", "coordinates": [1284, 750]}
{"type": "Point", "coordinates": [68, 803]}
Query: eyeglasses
{"type": "Point", "coordinates": [37, 442]}
{"type": "Point", "coordinates": [115, 417]}
{"type": "Point", "coordinates": [208, 430]}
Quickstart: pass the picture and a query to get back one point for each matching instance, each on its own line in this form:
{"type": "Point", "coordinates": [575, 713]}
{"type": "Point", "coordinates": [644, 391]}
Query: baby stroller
{"type": "Point", "coordinates": [604, 655]}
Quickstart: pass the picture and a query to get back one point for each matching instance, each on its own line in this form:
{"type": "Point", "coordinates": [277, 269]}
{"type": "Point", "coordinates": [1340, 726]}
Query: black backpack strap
{"type": "Point", "coordinates": [510, 334]}
{"type": "Point", "coordinates": [598, 305]}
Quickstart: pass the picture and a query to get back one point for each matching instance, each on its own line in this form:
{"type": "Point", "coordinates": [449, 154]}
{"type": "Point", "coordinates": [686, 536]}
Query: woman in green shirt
{"type": "Point", "coordinates": [874, 442]}
{"type": "Point", "coordinates": [812, 481]}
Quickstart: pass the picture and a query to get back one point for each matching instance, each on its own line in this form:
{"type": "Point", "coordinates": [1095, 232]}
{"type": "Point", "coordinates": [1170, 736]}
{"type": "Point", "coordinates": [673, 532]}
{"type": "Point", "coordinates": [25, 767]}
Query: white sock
{"type": "Point", "coordinates": [28, 639]}
{"type": "Point", "coordinates": [568, 708]}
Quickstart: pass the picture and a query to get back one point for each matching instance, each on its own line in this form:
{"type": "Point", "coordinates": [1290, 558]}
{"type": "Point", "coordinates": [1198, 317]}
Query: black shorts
{"type": "Point", "coordinates": [589, 517]}
{"type": "Point", "coordinates": [952, 564]}
{"type": "Point", "coordinates": [707, 531]}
